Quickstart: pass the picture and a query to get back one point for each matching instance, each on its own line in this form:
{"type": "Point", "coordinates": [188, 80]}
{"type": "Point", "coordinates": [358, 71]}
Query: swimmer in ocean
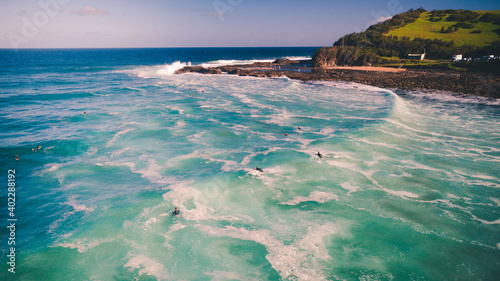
{"type": "Point", "coordinates": [175, 212]}
{"type": "Point", "coordinates": [298, 128]}
{"type": "Point", "coordinates": [319, 154]}
{"type": "Point", "coordinates": [84, 113]}
{"type": "Point", "coordinates": [16, 157]}
{"type": "Point", "coordinates": [38, 147]}
{"type": "Point", "coordinates": [285, 134]}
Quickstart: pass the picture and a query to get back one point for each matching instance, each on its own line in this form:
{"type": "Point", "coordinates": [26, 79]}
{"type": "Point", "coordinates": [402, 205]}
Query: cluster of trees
{"type": "Point", "coordinates": [372, 44]}
{"type": "Point", "coordinates": [450, 29]}
{"type": "Point", "coordinates": [376, 31]}
{"type": "Point", "coordinates": [394, 46]}
{"type": "Point", "coordinates": [489, 17]}
{"type": "Point", "coordinates": [464, 25]}
{"type": "Point", "coordinates": [463, 15]}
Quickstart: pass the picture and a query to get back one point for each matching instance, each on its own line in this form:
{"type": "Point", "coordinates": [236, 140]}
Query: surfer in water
{"type": "Point", "coordinates": [259, 169]}
{"type": "Point", "coordinates": [16, 157]}
{"type": "Point", "coordinates": [285, 134]}
{"type": "Point", "coordinates": [175, 212]}
{"type": "Point", "coordinates": [299, 128]}
{"type": "Point", "coordinates": [319, 154]}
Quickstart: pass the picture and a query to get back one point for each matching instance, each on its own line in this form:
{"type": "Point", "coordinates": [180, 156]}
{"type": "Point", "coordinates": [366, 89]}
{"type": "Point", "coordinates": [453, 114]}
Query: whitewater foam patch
{"type": "Point", "coordinates": [350, 187]}
{"type": "Point", "coordinates": [117, 135]}
{"type": "Point", "coordinates": [315, 196]}
{"type": "Point", "coordinates": [84, 245]}
{"type": "Point", "coordinates": [218, 275]}
{"type": "Point", "coordinates": [218, 63]}
{"type": "Point", "coordinates": [298, 58]}
{"type": "Point", "coordinates": [168, 235]}
{"type": "Point", "coordinates": [147, 266]}
{"type": "Point", "coordinates": [52, 167]}
{"type": "Point", "coordinates": [151, 172]}
{"type": "Point", "coordinates": [159, 71]}
{"type": "Point", "coordinates": [78, 207]}
{"type": "Point", "coordinates": [301, 259]}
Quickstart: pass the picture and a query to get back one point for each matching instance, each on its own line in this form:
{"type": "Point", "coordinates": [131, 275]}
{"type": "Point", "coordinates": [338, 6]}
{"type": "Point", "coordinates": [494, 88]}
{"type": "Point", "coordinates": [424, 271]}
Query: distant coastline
{"type": "Point", "coordinates": [459, 82]}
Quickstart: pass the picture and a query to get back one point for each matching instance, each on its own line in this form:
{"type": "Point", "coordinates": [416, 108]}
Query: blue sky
{"type": "Point", "coordinates": [197, 23]}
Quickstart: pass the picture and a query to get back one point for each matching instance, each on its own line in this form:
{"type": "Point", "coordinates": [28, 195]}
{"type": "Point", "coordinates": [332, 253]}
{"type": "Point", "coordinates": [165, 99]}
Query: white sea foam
{"type": "Point", "coordinates": [168, 234]}
{"type": "Point", "coordinates": [496, 200]}
{"type": "Point", "coordinates": [232, 62]}
{"type": "Point", "coordinates": [218, 275]}
{"type": "Point", "coordinates": [120, 151]}
{"type": "Point", "coordinates": [301, 259]}
{"type": "Point", "coordinates": [78, 207]}
{"type": "Point", "coordinates": [84, 245]}
{"type": "Point", "coordinates": [151, 172]}
{"type": "Point", "coordinates": [315, 196]}
{"type": "Point", "coordinates": [485, 221]}
{"type": "Point", "coordinates": [350, 187]}
{"type": "Point", "coordinates": [148, 266]}
{"type": "Point", "coordinates": [196, 137]}
{"type": "Point", "coordinates": [117, 135]}
{"type": "Point", "coordinates": [298, 58]}
{"type": "Point", "coordinates": [400, 193]}
{"type": "Point", "coordinates": [158, 71]}
{"type": "Point", "coordinates": [53, 167]}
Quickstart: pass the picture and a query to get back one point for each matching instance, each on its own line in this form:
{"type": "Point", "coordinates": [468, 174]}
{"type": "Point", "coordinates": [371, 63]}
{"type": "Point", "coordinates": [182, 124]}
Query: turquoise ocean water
{"type": "Point", "coordinates": [408, 187]}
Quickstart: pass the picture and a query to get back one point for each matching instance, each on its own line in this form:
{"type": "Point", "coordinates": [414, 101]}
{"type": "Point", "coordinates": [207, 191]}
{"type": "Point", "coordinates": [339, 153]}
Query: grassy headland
{"type": "Point", "coordinates": [440, 34]}
{"type": "Point", "coordinates": [427, 26]}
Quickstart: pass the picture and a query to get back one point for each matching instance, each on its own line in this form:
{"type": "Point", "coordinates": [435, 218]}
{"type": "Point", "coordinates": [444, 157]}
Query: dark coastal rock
{"type": "Point", "coordinates": [324, 58]}
{"type": "Point", "coordinates": [470, 83]}
{"type": "Point", "coordinates": [199, 69]}
{"type": "Point", "coordinates": [282, 61]}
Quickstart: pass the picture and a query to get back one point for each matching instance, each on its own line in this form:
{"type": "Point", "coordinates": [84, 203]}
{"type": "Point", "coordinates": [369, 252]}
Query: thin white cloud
{"type": "Point", "coordinates": [381, 19]}
{"type": "Point", "coordinates": [90, 11]}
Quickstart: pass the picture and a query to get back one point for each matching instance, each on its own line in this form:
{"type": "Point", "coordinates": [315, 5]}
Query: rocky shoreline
{"type": "Point", "coordinates": [468, 83]}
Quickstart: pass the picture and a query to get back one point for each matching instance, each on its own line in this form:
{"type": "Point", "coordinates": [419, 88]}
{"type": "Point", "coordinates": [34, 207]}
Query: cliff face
{"type": "Point", "coordinates": [331, 56]}
{"type": "Point", "coordinates": [324, 57]}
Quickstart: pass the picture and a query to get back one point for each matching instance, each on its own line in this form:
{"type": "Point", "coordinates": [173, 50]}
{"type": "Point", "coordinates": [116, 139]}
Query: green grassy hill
{"type": "Point", "coordinates": [424, 28]}
{"type": "Point", "coordinates": [440, 33]}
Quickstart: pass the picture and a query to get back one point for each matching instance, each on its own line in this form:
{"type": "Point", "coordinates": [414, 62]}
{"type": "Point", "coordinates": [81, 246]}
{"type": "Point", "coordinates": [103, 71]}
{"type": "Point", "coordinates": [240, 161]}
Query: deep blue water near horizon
{"type": "Point", "coordinates": [408, 187]}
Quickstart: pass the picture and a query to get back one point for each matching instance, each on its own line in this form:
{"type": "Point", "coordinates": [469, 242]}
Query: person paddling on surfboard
{"type": "Point", "coordinates": [319, 154]}
{"type": "Point", "coordinates": [259, 169]}
{"type": "Point", "coordinates": [175, 212]}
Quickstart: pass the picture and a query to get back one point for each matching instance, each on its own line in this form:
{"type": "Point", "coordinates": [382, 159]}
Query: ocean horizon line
{"type": "Point", "coordinates": [148, 48]}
